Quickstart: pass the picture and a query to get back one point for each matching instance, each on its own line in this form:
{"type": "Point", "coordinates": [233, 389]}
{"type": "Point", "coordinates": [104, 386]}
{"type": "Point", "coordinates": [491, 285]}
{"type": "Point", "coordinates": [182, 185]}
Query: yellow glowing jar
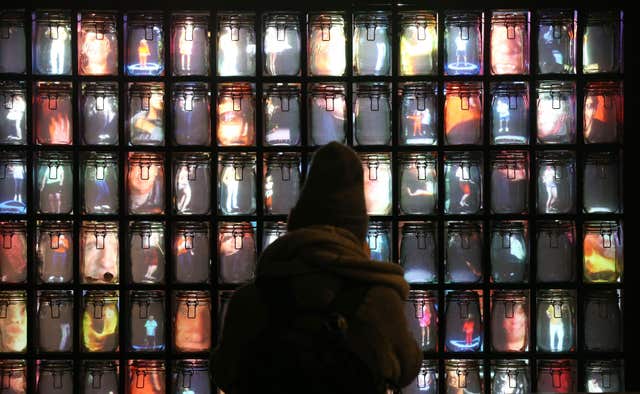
{"type": "Point", "coordinates": [418, 43]}
{"type": "Point", "coordinates": [236, 115]}
{"type": "Point", "coordinates": [602, 253]}
{"type": "Point", "coordinates": [327, 44]}
{"type": "Point", "coordinates": [100, 321]}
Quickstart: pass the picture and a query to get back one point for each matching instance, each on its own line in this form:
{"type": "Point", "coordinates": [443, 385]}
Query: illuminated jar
{"type": "Point", "coordinates": [510, 182]}
{"type": "Point", "coordinates": [14, 376]}
{"type": "Point", "coordinates": [606, 376]}
{"type": "Point", "coordinates": [145, 183]}
{"type": "Point", "coordinates": [509, 252]}
{"type": "Point", "coordinates": [377, 182]}
{"type": "Point", "coordinates": [601, 183]}
{"type": "Point", "coordinates": [371, 43]}
{"type": "Point", "coordinates": [55, 376]}
{"type": "Point", "coordinates": [556, 321]}
{"type": "Point", "coordinates": [463, 43]}
{"type": "Point", "coordinates": [55, 321]}
{"type": "Point", "coordinates": [281, 44]}
{"type": "Point", "coordinates": [191, 120]}
{"type": "Point", "coordinates": [327, 44]}
{"type": "Point", "coordinates": [99, 376]}
{"type": "Point", "coordinates": [556, 191]}
{"type": "Point", "coordinates": [54, 251]}
{"type": "Point", "coordinates": [100, 176]}
{"type": "Point", "coordinates": [282, 115]}
{"type": "Point", "coordinates": [54, 182]}
{"type": "Point", "coordinates": [463, 322]}
{"type": "Point", "coordinates": [53, 114]}
{"type": "Point", "coordinates": [372, 114]}
{"type": "Point", "coordinates": [145, 116]}
{"type": "Point", "coordinates": [509, 42]}
{"type": "Point", "coordinates": [463, 252]}
{"type": "Point", "coordinates": [13, 185]}
{"type": "Point", "coordinates": [557, 41]}
{"type": "Point", "coordinates": [191, 376]}
{"type": "Point", "coordinates": [603, 112]}
{"type": "Point", "coordinates": [272, 231]}
{"type": "Point", "coordinates": [418, 252]}
{"type": "Point", "coordinates": [236, 252]}
{"type": "Point", "coordinates": [379, 242]}
{"type": "Point", "coordinates": [510, 376]}
{"type": "Point", "coordinates": [556, 376]}
{"type": "Point", "coordinates": [281, 182]}
{"type": "Point", "coordinates": [145, 44]}
{"type": "Point", "coordinates": [463, 113]}
{"type": "Point", "coordinates": [192, 321]}
{"type": "Point", "coordinates": [52, 43]}
{"type": "Point", "coordinates": [418, 183]}
{"type": "Point", "coordinates": [13, 253]}
{"type": "Point", "coordinates": [327, 113]}
{"type": "Point", "coordinates": [509, 113]}
{"type": "Point", "coordinates": [146, 377]}
{"type": "Point", "coordinates": [418, 113]}
{"type": "Point", "coordinates": [146, 252]}
{"type": "Point", "coordinates": [427, 380]}
{"type": "Point", "coordinates": [13, 112]}
{"type": "Point", "coordinates": [192, 183]}
{"type": "Point", "coordinates": [602, 42]}
{"type": "Point", "coordinates": [97, 44]}
{"type": "Point", "coordinates": [13, 48]}
{"type": "Point", "coordinates": [147, 321]}
{"type": "Point", "coordinates": [236, 115]}
{"type": "Point", "coordinates": [13, 321]}
{"type": "Point", "coordinates": [421, 312]}
{"type": "Point", "coordinates": [603, 252]}
{"type": "Point", "coordinates": [237, 184]}
{"type": "Point", "coordinates": [190, 43]}
{"type": "Point", "coordinates": [99, 253]}
{"type": "Point", "coordinates": [191, 252]}
{"type": "Point", "coordinates": [462, 376]}
{"type": "Point", "coordinates": [510, 321]}
{"type": "Point", "coordinates": [100, 321]}
{"type": "Point", "coordinates": [556, 112]}
{"type": "Point", "coordinates": [463, 182]}
{"type": "Point", "coordinates": [418, 43]}
{"type": "Point", "coordinates": [99, 113]}
{"type": "Point", "coordinates": [602, 321]}
{"type": "Point", "coordinates": [556, 251]}
{"type": "Point", "coordinates": [236, 44]}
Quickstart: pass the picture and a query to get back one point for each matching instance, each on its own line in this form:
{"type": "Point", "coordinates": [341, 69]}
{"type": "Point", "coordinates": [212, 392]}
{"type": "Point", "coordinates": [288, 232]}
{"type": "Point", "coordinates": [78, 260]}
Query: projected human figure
{"type": "Point", "coordinates": [53, 180]}
{"type": "Point", "coordinates": [464, 182]}
{"type": "Point", "coordinates": [502, 109]}
{"type": "Point", "coordinates": [65, 333]}
{"type": "Point", "coordinates": [556, 329]}
{"type": "Point", "coordinates": [185, 47]}
{"type": "Point", "coordinates": [59, 258]}
{"type": "Point", "coordinates": [425, 324]}
{"type": "Point", "coordinates": [16, 114]}
{"type": "Point", "coordinates": [58, 49]}
{"type": "Point", "coordinates": [232, 186]}
{"type": "Point", "coordinates": [183, 189]}
{"type": "Point", "coordinates": [151, 326]}
{"type": "Point", "coordinates": [17, 173]}
{"type": "Point", "coordinates": [143, 53]}
{"type": "Point", "coordinates": [467, 328]}
{"type": "Point", "coordinates": [551, 187]}
{"type": "Point", "coordinates": [461, 50]}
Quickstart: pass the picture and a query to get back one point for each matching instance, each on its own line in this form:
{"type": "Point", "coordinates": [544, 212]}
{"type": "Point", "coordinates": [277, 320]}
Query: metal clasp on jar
{"type": "Point", "coordinates": [143, 308]}
{"type": "Point", "coordinates": [191, 314]}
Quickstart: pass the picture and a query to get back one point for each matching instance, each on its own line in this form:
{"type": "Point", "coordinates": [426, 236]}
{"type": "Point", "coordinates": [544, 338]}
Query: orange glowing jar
{"type": "Point", "coordinates": [192, 321]}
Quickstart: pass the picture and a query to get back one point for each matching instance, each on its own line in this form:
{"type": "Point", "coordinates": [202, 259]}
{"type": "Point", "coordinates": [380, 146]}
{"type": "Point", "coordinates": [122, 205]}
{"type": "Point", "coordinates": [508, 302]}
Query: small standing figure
{"type": "Point", "coordinates": [151, 325]}
{"type": "Point", "coordinates": [183, 190]}
{"type": "Point", "coordinates": [467, 328]}
{"type": "Point", "coordinates": [551, 187]}
{"type": "Point", "coordinates": [461, 50]}
{"type": "Point", "coordinates": [185, 48]}
{"type": "Point", "coordinates": [556, 329]}
{"type": "Point", "coordinates": [143, 53]}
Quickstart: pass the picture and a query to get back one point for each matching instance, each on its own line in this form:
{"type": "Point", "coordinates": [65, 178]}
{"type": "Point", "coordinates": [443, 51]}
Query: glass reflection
{"type": "Point", "coordinates": [13, 111]}
{"type": "Point", "coordinates": [602, 42]}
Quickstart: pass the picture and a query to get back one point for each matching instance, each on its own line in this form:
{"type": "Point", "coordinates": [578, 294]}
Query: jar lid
{"type": "Point", "coordinates": [225, 295]}
{"type": "Point", "coordinates": [471, 365]}
{"type": "Point", "coordinates": [470, 158]}
{"type": "Point", "coordinates": [556, 87]}
{"type": "Point", "coordinates": [551, 365]}
{"type": "Point", "coordinates": [556, 17]}
{"type": "Point", "coordinates": [56, 296]}
{"type": "Point", "coordinates": [237, 158]}
{"type": "Point", "coordinates": [372, 89]}
{"type": "Point", "coordinates": [418, 89]}
{"type": "Point", "coordinates": [326, 18]}
{"type": "Point", "coordinates": [13, 227]}
{"type": "Point", "coordinates": [148, 365]}
{"type": "Point", "coordinates": [508, 226]}
{"type": "Point", "coordinates": [601, 88]}
{"type": "Point", "coordinates": [151, 295]}
{"type": "Point", "coordinates": [93, 226]}
{"type": "Point", "coordinates": [192, 365]}
{"type": "Point", "coordinates": [510, 295]}
{"type": "Point", "coordinates": [375, 18]}
{"type": "Point", "coordinates": [327, 89]}
{"type": "Point", "coordinates": [13, 365]}
{"type": "Point", "coordinates": [137, 158]}
{"type": "Point", "coordinates": [236, 19]}
{"type": "Point", "coordinates": [194, 18]}
{"type": "Point", "coordinates": [55, 225]}
{"type": "Point", "coordinates": [282, 89]}
{"type": "Point", "coordinates": [100, 88]}
{"type": "Point", "coordinates": [146, 18]}
{"type": "Point", "coordinates": [465, 18]}
{"type": "Point", "coordinates": [418, 18]}
{"type": "Point", "coordinates": [275, 227]}
{"type": "Point", "coordinates": [460, 88]}
{"type": "Point", "coordinates": [601, 158]}
{"type": "Point", "coordinates": [195, 88]}
{"type": "Point", "coordinates": [426, 158]}
{"type": "Point", "coordinates": [556, 157]}
{"type": "Point", "coordinates": [144, 226]}
{"type": "Point", "coordinates": [110, 296]}
{"type": "Point", "coordinates": [608, 366]}
{"type": "Point", "coordinates": [604, 226]}
{"type": "Point", "coordinates": [59, 366]}
{"type": "Point", "coordinates": [418, 228]}
{"type": "Point", "coordinates": [198, 295]}
{"type": "Point", "coordinates": [555, 225]}
{"type": "Point", "coordinates": [100, 365]}
{"type": "Point", "coordinates": [53, 16]}
{"type": "Point", "coordinates": [602, 17]}
{"type": "Point", "coordinates": [511, 157]}
{"type": "Point", "coordinates": [12, 157]}
{"type": "Point", "coordinates": [238, 89]}
{"type": "Point", "coordinates": [463, 295]}
{"type": "Point", "coordinates": [139, 88]}
{"type": "Point", "coordinates": [194, 227]}
{"type": "Point", "coordinates": [375, 158]}
{"type": "Point", "coordinates": [455, 227]}
{"type": "Point", "coordinates": [101, 21]}
{"type": "Point", "coordinates": [509, 88]}
{"type": "Point", "coordinates": [376, 228]}
{"type": "Point", "coordinates": [281, 19]}
{"type": "Point", "coordinates": [12, 296]}
{"type": "Point", "coordinates": [53, 87]}
{"type": "Point", "coordinates": [13, 87]}
{"type": "Point", "coordinates": [554, 295]}
{"type": "Point", "coordinates": [198, 158]}
{"type": "Point", "coordinates": [426, 296]}
{"type": "Point", "coordinates": [506, 365]}
{"type": "Point", "coordinates": [12, 18]}
{"type": "Point", "coordinates": [102, 158]}
{"type": "Point", "coordinates": [604, 295]}
{"type": "Point", "coordinates": [55, 157]}
{"type": "Point", "coordinates": [232, 227]}
{"type": "Point", "coordinates": [283, 158]}
{"type": "Point", "coordinates": [510, 17]}
{"type": "Point", "coordinates": [430, 366]}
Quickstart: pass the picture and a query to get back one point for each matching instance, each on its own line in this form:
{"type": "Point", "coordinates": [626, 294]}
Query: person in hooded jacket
{"type": "Point", "coordinates": [323, 254]}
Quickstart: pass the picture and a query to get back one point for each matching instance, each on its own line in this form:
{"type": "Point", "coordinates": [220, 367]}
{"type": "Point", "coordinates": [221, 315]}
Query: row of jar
{"type": "Point", "coordinates": [327, 113]}
{"type": "Point", "coordinates": [281, 43]}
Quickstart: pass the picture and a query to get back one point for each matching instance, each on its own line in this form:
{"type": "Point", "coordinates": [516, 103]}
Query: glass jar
{"type": "Point", "coordinates": [53, 113]}
{"type": "Point", "coordinates": [99, 252]}
{"type": "Point", "coordinates": [606, 376]}
{"type": "Point", "coordinates": [237, 184]}
{"type": "Point", "coordinates": [372, 114]}
{"type": "Point", "coordinates": [191, 106]}
{"type": "Point", "coordinates": [100, 177]}
{"type": "Point", "coordinates": [603, 112]}
{"type": "Point", "coordinates": [145, 44]}
{"type": "Point", "coordinates": [145, 183]}
{"type": "Point", "coordinates": [13, 48]}
{"type": "Point", "coordinates": [509, 42]}
{"type": "Point", "coordinates": [603, 252]}
{"type": "Point", "coordinates": [98, 44]}
{"type": "Point", "coordinates": [191, 376]}
{"type": "Point", "coordinates": [190, 43]}
{"type": "Point", "coordinates": [557, 41]}
{"type": "Point", "coordinates": [509, 113]}
{"type": "Point", "coordinates": [282, 103]}
{"type": "Point", "coordinates": [55, 377]}
{"type": "Point", "coordinates": [463, 316]}
{"type": "Point", "coordinates": [100, 315]}
{"type": "Point", "coordinates": [99, 113]}
{"type": "Point", "coordinates": [510, 376]}
{"type": "Point", "coordinates": [418, 252]}
{"type": "Point", "coordinates": [418, 43]}
{"type": "Point", "coordinates": [13, 185]}
{"type": "Point", "coordinates": [601, 187]}
{"type": "Point", "coordinates": [55, 321]}
{"type": "Point", "coordinates": [54, 251]}
{"type": "Point", "coordinates": [236, 44]}
{"type": "Point", "coordinates": [192, 183]}
{"type": "Point", "coordinates": [463, 252]}
{"type": "Point", "coordinates": [371, 43]}
{"type": "Point", "coordinates": [463, 43]}
{"type": "Point", "coordinates": [463, 182]}
{"type": "Point", "coordinates": [418, 183]}
{"type": "Point", "coordinates": [54, 187]}
{"type": "Point", "coordinates": [236, 114]}
{"type": "Point", "coordinates": [556, 251]}
{"type": "Point", "coordinates": [14, 376]}
{"type": "Point", "coordinates": [145, 125]}
{"type": "Point", "coordinates": [418, 113]}
{"type": "Point", "coordinates": [99, 376]}
{"type": "Point", "coordinates": [463, 117]}
{"type": "Point", "coordinates": [191, 252]}
{"type": "Point", "coordinates": [556, 376]}
{"type": "Point", "coordinates": [556, 182]}
{"type": "Point", "coordinates": [13, 321]}
{"type": "Point", "coordinates": [146, 377]}
{"type": "Point", "coordinates": [13, 253]}
{"type": "Point", "coordinates": [377, 182]}
{"type": "Point", "coordinates": [379, 241]}
{"type": "Point", "coordinates": [146, 252]}
{"type": "Point", "coordinates": [603, 324]}
{"type": "Point", "coordinates": [421, 312]}
{"type": "Point", "coordinates": [327, 44]}
{"type": "Point", "coordinates": [556, 112]}
{"type": "Point", "coordinates": [556, 321]}
{"type": "Point", "coordinates": [271, 232]}
{"type": "Point", "coordinates": [282, 43]}
{"type": "Point", "coordinates": [602, 42]}
{"type": "Point", "coordinates": [327, 113]}
{"type": "Point", "coordinates": [510, 252]}
{"type": "Point", "coordinates": [52, 43]}
{"type": "Point", "coordinates": [427, 380]}
{"type": "Point", "coordinates": [236, 252]}
{"type": "Point", "coordinates": [13, 111]}
{"type": "Point", "coordinates": [281, 182]}
{"type": "Point", "coordinates": [147, 321]}
{"type": "Point", "coordinates": [463, 376]}
{"type": "Point", "coordinates": [510, 320]}
{"type": "Point", "coordinates": [192, 321]}
{"type": "Point", "coordinates": [510, 182]}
